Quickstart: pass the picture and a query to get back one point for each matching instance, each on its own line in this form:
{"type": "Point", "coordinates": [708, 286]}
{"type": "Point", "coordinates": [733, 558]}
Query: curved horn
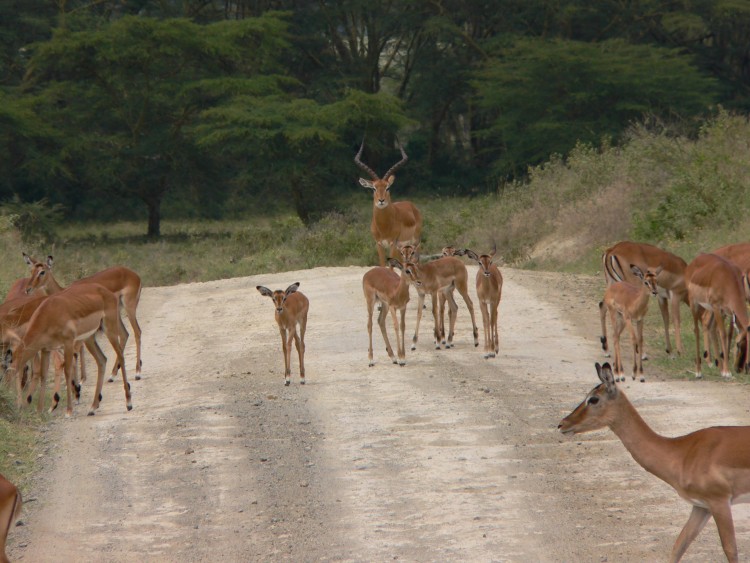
{"type": "Point", "coordinates": [362, 165]}
{"type": "Point", "coordinates": [403, 160]}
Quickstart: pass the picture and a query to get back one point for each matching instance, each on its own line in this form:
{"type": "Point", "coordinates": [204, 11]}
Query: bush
{"type": "Point", "coordinates": [35, 222]}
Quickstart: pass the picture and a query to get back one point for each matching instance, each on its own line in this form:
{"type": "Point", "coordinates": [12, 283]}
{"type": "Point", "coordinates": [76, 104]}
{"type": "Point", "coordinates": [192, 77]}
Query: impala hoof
{"type": "Point", "coordinates": [371, 364]}
{"type": "Point", "coordinates": [110, 380]}
{"type": "Point", "coordinates": [90, 413]}
{"type": "Point", "coordinates": [402, 363]}
{"type": "Point", "coordinates": [286, 383]}
{"type": "Point", "coordinates": [301, 381]}
{"type": "Point", "coordinates": [137, 376]}
{"type": "Point", "coordinates": [130, 407]}
{"type": "Point", "coordinates": [643, 380]}
{"type": "Point", "coordinates": [413, 348]}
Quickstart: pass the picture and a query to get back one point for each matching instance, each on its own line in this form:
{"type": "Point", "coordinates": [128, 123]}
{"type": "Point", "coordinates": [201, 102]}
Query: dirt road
{"type": "Point", "coordinates": [450, 458]}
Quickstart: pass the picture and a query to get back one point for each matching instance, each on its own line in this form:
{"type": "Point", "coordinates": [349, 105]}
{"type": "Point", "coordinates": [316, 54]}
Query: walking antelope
{"type": "Point", "coordinates": [290, 308]}
{"type": "Point", "coordinates": [709, 468]}
{"type": "Point", "coordinates": [489, 285]}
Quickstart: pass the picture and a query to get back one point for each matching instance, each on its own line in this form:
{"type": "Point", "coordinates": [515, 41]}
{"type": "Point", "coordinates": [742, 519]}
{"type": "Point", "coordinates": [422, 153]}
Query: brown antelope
{"type": "Point", "coordinates": [391, 221]}
{"type": "Point", "coordinates": [437, 277]}
{"type": "Point", "coordinates": [671, 280]}
{"type": "Point", "coordinates": [123, 282]}
{"type": "Point", "coordinates": [18, 289]}
{"type": "Point", "coordinates": [64, 318]}
{"type": "Point", "coordinates": [714, 284]}
{"type": "Point", "coordinates": [709, 468]}
{"type": "Point", "coordinates": [489, 291]}
{"type": "Point", "coordinates": [382, 285]}
{"type": "Point", "coordinates": [10, 510]}
{"type": "Point", "coordinates": [291, 308]}
{"type": "Point", "coordinates": [627, 305]}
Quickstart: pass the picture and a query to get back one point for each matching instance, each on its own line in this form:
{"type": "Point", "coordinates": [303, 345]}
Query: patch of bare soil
{"type": "Point", "coordinates": [450, 458]}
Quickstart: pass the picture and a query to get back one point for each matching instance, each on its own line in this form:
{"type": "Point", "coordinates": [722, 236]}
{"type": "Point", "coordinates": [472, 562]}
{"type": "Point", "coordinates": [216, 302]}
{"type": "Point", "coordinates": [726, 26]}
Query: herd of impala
{"type": "Point", "coordinates": [709, 468]}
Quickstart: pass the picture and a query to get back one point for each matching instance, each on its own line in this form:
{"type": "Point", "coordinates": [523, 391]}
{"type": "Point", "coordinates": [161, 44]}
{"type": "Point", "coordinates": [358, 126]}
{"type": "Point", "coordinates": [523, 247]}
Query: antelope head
{"type": "Point", "coordinates": [485, 260]}
{"type": "Point", "coordinates": [40, 272]}
{"type": "Point", "coordinates": [380, 186]}
{"type": "Point", "coordinates": [278, 296]}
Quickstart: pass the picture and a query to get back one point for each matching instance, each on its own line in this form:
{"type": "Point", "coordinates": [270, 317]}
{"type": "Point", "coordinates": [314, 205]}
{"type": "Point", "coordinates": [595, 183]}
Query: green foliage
{"type": "Point", "coordinates": [541, 97]}
{"type": "Point", "coordinates": [35, 222]}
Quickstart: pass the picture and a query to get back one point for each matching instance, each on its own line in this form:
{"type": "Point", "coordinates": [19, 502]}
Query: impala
{"type": "Point", "coordinates": [391, 221]}
{"type": "Point", "coordinates": [709, 468]}
{"type": "Point", "coordinates": [714, 284]}
{"type": "Point", "coordinates": [65, 318]}
{"type": "Point", "coordinates": [10, 509]}
{"type": "Point", "coordinates": [489, 285]}
{"type": "Point", "coordinates": [627, 305]}
{"type": "Point", "coordinates": [382, 285]}
{"type": "Point", "coordinates": [671, 280]}
{"type": "Point", "coordinates": [121, 281]}
{"type": "Point", "coordinates": [291, 308]}
{"type": "Point", "coordinates": [18, 289]}
{"type": "Point", "coordinates": [441, 277]}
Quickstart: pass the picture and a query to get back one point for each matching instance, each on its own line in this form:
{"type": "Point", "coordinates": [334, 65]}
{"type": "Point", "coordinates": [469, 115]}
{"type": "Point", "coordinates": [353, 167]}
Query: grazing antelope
{"type": "Point", "coordinates": [291, 308]}
{"type": "Point", "coordinates": [10, 509]}
{"type": "Point", "coordinates": [438, 277]}
{"type": "Point", "coordinates": [391, 221]}
{"type": "Point", "coordinates": [709, 468]}
{"type": "Point", "coordinates": [627, 305]}
{"type": "Point", "coordinates": [63, 319]}
{"type": "Point", "coordinates": [489, 291]}
{"type": "Point", "coordinates": [382, 285]}
{"type": "Point", "coordinates": [714, 284]}
{"type": "Point", "coordinates": [123, 282]}
{"type": "Point", "coordinates": [671, 280]}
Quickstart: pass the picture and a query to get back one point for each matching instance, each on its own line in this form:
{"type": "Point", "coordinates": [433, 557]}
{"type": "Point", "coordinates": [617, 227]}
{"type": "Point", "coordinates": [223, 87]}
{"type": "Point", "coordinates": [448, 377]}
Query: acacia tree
{"type": "Point", "coordinates": [125, 92]}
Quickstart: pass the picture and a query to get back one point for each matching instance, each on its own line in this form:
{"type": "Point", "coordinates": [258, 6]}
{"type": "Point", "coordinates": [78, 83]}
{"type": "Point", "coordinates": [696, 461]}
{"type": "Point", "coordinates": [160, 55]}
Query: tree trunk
{"type": "Point", "coordinates": [154, 219]}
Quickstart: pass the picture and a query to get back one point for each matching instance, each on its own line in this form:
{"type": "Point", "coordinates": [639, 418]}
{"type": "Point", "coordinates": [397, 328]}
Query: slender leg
{"type": "Point", "coordinates": [301, 348]}
{"type": "Point", "coordinates": [676, 321]}
{"type": "Point", "coordinates": [696, 310]}
{"type": "Point", "coordinates": [381, 324]}
{"type": "Point", "coordinates": [722, 514]}
{"type": "Point", "coordinates": [696, 522]}
{"type": "Point", "coordinates": [724, 348]}
{"type": "Point", "coordinates": [291, 335]}
{"type": "Point", "coordinates": [452, 316]}
{"type": "Point", "coordinates": [370, 308]}
{"type": "Point", "coordinates": [603, 318]}
{"type": "Point", "coordinates": [420, 306]}
{"type": "Point", "coordinates": [399, 337]}
{"type": "Point", "coordinates": [131, 304]}
{"type": "Point", "coordinates": [664, 308]}
{"type": "Point", "coordinates": [123, 340]}
{"type": "Point", "coordinates": [495, 333]}
{"type": "Point", "coordinates": [101, 362]}
{"type": "Point", "coordinates": [287, 376]}
{"type": "Point", "coordinates": [619, 327]}
{"type": "Point", "coordinates": [43, 369]}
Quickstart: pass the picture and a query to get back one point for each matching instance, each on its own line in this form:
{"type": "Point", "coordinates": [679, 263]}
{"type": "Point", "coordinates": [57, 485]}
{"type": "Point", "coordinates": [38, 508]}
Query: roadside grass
{"type": "Point", "coordinates": [20, 432]}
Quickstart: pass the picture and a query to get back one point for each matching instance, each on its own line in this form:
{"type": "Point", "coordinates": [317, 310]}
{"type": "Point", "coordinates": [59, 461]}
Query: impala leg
{"type": "Point", "coordinates": [43, 369]}
{"type": "Point", "coordinates": [113, 328]}
{"type": "Point", "coordinates": [495, 314]}
{"type": "Point", "coordinates": [436, 328]}
{"type": "Point", "coordinates": [722, 514]}
{"type": "Point", "coordinates": [461, 287]}
{"type": "Point", "coordinates": [101, 363]}
{"type": "Point", "coordinates": [381, 323]}
{"type": "Point", "coordinates": [603, 318]}
{"type": "Point", "coordinates": [122, 338]}
{"type": "Point", "coordinates": [130, 305]}
{"type": "Point", "coordinates": [291, 335]}
{"type": "Point", "coordinates": [696, 310]}
{"type": "Point", "coordinates": [381, 254]}
{"type": "Point", "coordinates": [452, 316]}
{"type": "Point", "coordinates": [696, 522]}
{"type": "Point", "coordinates": [370, 307]}
{"type": "Point", "coordinates": [399, 337]}
{"type": "Point", "coordinates": [618, 368]}
{"type": "Point", "coordinates": [59, 375]}
{"type": "Point", "coordinates": [442, 299]}
{"type": "Point", "coordinates": [725, 372]}
{"type": "Point", "coordinates": [301, 348]}
{"type": "Point", "coordinates": [634, 343]}
{"type": "Point", "coordinates": [676, 321]}
{"type": "Point", "coordinates": [420, 306]}
{"type": "Point", "coordinates": [487, 328]}
{"type": "Point", "coordinates": [664, 309]}
{"type": "Point", "coordinates": [639, 334]}
{"type": "Point", "coordinates": [287, 370]}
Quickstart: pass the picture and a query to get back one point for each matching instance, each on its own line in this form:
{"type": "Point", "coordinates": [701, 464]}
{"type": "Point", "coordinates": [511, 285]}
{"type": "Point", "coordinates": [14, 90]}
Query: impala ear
{"type": "Point", "coordinates": [264, 291]}
{"type": "Point", "coordinates": [292, 288]}
{"type": "Point", "coordinates": [28, 259]}
{"type": "Point", "coordinates": [366, 183]}
{"type": "Point", "coordinates": [389, 180]}
{"type": "Point", "coordinates": [606, 377]}
{"type": "Point", "coordinates": [393, 263]}
{"type": "Point", "coordinates": [658, 270]}
{"type": "Point", "coordinates": [471, 254]}
{"type": "Point", "coordinates": [636, 270]}
{"type": "Point", "coordinates": [50, 261]}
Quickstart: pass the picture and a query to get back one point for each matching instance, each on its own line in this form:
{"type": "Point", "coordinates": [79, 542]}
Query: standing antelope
{"type": "Point", "coordinates": [61, 320]}
{"type": "Point", "coordinates": [382, 285]}
{"type": "Point", "coordinates": [489, 291]}
{"type": "Point", "coordinates": [671, 280]}
{"type": "Point", "coordinates": [716, 285]}
{"type": "Point", "coordinates": [10, 509]}
{"type": "Point", "coordinates": [627, 305]}
{"type": "Point", "coordinates": [391, 221]}
{"type": "Point", "coordinates": [437, 277]}
{"type": "Point", "coordinates": [709, 468]}
{"type": "Point", "coordinates": [291, 308]}
{"type": "Point", "coordinates": [123, 282]}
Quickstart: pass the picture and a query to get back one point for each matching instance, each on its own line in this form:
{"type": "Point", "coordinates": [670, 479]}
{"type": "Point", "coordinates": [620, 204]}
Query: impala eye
{"type": "Point", "coordinates": [593, 400]}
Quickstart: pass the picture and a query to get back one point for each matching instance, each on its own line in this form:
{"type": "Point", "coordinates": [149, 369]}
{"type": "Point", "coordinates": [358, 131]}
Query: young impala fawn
{"type": "Point", "coordinates": [627, 305]}
{"type": "Point", "coordinates": [291, 308]}
{"type": "Point", "coordinates": [709, 468]}
{"type": "Point", "coordinates": [489, 291]}
{"type": "Point", "coordinates": [382, 285]}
